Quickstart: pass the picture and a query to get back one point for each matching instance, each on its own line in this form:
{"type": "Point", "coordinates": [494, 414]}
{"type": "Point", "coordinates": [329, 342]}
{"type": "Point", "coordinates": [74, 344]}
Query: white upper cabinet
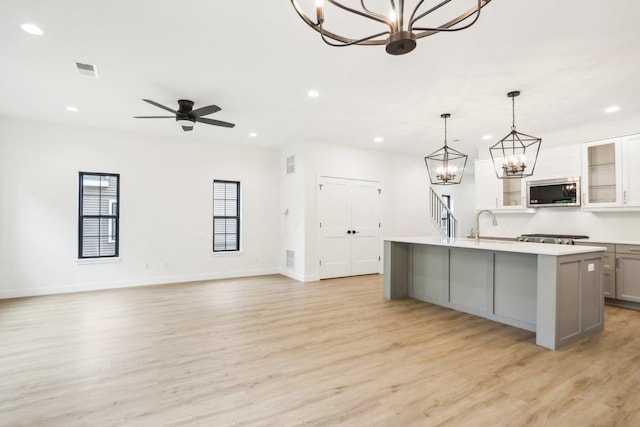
{"type": "Point", "coordinates": [631, 170]}
{"type": "Point", "coordinates": [611, 173]}
{"type": "Point", "coordinates": [497, 194]}
{"type": "Point", "coordinates": [602, 174]}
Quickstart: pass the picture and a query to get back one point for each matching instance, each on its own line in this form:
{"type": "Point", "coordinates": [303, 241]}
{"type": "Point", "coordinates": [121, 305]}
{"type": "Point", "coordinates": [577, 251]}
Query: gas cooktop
{"type": "Point", "coordinates": [557, 236]}
{"type": "Point", "coordinates": [561, 239]}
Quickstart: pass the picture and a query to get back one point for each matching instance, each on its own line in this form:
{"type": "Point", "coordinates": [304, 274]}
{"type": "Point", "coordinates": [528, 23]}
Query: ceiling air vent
{"type": "Point", "coordinates": [87, 70]}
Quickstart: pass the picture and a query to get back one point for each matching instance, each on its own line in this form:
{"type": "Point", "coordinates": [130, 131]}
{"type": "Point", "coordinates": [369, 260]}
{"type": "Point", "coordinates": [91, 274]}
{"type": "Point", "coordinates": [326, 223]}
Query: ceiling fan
{"type": "Point", "coordinates": [186, 116]}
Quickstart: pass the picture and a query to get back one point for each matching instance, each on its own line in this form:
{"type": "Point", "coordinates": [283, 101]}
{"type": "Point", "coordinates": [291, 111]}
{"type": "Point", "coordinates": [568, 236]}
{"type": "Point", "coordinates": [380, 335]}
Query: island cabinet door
{"type": "Point", "coordinates": [430, 276]}
{"type": "Point", "coordinates": [471, 280]}
{"type": "Point", "coordinates": [575, 307]}
{"type": "Point", "coordinates": [515, 288]}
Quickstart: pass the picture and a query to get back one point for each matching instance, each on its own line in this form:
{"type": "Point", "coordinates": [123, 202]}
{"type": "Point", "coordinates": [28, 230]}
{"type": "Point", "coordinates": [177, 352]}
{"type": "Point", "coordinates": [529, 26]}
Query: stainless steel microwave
{"type": "Point", "coordinates": [554, 192]}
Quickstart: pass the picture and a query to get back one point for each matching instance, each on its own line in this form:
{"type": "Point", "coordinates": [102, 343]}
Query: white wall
{"type": "Point", "coordinates": [292, 211]}
{"type": "Point", "coordinates": [405, 198]}
{"type": "Point", "coordinates": [165, 206]}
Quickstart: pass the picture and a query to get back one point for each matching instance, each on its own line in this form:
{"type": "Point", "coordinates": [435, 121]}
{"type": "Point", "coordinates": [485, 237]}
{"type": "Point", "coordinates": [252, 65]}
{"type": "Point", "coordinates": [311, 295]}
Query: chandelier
{"type": "Point", "coordinates": [515, 155]}
{"type": "Point", "coordinates": [398, 32]}
{"type": "Point", "coordinates": [446, 165]}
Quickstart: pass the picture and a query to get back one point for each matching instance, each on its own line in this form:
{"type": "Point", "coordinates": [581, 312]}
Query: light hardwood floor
{"type": "Point", "coordinates": [273, 351]}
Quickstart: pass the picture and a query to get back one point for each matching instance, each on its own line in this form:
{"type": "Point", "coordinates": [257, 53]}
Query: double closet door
{"type": "Point", "coordinates": [349, 227]}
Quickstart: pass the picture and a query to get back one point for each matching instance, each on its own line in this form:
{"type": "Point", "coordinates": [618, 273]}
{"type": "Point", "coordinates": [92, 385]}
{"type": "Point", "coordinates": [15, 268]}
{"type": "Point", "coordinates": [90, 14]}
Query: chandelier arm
{"type": "Point", "coordinates": [370, 12]}
{"type": "Point", "coordinates": [357, 12]}
{"type": "Point", "coordinates": [337, 37]}
{"type": "Point", "coordinates": [422, 15]}
{"type": "Point", "coordinates": [415, 10]}
{"type": "Point", "coordinates": [349, 43]}
{"type": "Point", "coordinates": [448, 25]}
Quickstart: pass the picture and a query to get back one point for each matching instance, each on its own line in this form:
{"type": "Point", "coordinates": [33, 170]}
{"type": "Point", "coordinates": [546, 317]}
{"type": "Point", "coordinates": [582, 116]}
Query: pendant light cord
{"type": "Point", "coordinates": [445, 131]}
{"type": "Point", "coordinates": [513, 112]}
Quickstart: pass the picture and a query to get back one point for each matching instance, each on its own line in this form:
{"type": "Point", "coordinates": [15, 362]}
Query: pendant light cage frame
{"type": "Point", "coordinates": [446, 165]}
{"type": "Point", "coordinates": [515, 156]}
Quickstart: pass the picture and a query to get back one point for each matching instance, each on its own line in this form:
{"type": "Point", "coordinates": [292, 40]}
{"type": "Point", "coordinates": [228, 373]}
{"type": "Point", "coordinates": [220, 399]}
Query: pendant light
{"type": "Point", "coordinates": [446, 165]}
{"type": "Point", "coordinates": [515, 155]}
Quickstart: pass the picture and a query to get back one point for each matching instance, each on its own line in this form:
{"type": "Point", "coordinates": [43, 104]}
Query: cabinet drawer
{"type": "Point", "coordinates": [628, 249]}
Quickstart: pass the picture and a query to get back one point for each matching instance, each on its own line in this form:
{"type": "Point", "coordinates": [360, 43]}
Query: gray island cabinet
{"type": "Point", "coordinates": [552, 290]}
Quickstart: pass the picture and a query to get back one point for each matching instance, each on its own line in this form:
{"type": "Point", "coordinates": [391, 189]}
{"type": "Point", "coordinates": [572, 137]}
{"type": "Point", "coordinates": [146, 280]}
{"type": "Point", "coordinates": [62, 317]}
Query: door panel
{"type": "Point", "coordinates": [365, 221]}
{"type": "Point", "coordinates": [334, 213]}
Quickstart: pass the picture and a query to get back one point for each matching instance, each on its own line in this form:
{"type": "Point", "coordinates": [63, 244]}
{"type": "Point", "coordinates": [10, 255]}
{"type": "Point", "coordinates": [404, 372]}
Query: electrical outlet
{"type": "Point", "coordinates": [591, 267]}
{"type": "Point", "coordinates": [148, 266]}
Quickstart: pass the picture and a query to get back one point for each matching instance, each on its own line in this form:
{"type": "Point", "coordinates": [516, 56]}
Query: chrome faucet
{"type": "Point", "coordinates": [493, 221]}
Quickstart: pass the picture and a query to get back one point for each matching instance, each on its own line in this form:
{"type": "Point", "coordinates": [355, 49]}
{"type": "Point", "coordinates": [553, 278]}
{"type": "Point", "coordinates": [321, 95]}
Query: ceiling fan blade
{"type": "Point", "coordinates": [214, 122]}
{"type": "Point", "coordinates": [160, 106]}
{"type": "Point", "coordinates": [154, 117]}
{"type": "Point", "coordinates": [187, 128]}
{"type": "Point", "coordinates": [205, 111]}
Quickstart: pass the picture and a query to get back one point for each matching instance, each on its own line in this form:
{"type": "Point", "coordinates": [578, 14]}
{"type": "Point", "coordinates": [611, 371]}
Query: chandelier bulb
{"type": "Point", "coordinates": [320, 11]}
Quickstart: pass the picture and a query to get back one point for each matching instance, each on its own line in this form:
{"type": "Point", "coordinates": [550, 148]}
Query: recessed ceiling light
{"type": "Point", "coordinates": [313, 94]}
{"type": "Point", "coordinates": [378, 139]}
{"type": "Point", "coordinates": [72, 109]}
{"type": "Point", "coordinates": [487, 137]}
{"type": "Point", "coordinates": [32, 29]}
{"type": "Point", "coordinates": [612, 109]}
{"type": "Point", "coordinates": [253, 134]}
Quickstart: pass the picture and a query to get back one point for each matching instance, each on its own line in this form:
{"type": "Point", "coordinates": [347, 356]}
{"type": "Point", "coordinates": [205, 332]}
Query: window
{"type": "Point", "coordinates": [98, 215]}
{"type": "Point", "coordinates": [226, 216]}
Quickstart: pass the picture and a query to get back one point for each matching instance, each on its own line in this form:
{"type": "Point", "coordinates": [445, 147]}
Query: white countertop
{"type": "Point", "coordinates": [500, 245]}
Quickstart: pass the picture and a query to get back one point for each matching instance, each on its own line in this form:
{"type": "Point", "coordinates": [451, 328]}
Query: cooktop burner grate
{"type": "Point", "coordinates": [557, 236]}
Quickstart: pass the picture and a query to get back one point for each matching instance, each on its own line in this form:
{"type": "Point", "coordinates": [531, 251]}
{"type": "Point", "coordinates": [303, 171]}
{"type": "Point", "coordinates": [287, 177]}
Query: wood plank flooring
{"type": "Point", "coordinates": [270, 351]}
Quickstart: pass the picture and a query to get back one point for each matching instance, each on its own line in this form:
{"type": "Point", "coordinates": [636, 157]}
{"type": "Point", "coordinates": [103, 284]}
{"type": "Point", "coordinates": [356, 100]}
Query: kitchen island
{"type": "Point", "coordinates": [552, 290]}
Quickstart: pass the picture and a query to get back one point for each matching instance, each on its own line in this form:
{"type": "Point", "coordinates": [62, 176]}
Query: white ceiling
{"type": "Point", "coordinates": [257, 60]}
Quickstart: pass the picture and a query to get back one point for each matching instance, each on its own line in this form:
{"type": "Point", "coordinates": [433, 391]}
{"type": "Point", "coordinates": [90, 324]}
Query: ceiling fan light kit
{"type": "Point", "coordinates": [515, 155]}
{"type": "Point", "coordinates": [400, 27]}
{"type": "Point", "coordinates": [446, 165]}
{"type": "Point", "coordinates": [186, 116]}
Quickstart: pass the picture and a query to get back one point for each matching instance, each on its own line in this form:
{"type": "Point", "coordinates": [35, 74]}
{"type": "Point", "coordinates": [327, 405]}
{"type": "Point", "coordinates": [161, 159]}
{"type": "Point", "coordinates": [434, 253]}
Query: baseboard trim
{"type": "Point", "coordinates": [98, 286]}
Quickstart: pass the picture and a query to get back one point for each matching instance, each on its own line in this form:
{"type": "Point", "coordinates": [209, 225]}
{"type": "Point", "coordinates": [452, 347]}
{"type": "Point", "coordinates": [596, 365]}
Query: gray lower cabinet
{"type": "Point", "coordinates": [628, 272]}
{"type": "Point", "coordinates": [609, 274]}
{"type": "Point", "coordinates": [609, 268]}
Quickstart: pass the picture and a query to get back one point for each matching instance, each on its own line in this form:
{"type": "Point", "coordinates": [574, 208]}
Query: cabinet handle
{"type": "Point", "coordinates": [634, 250]}
{"type": "Point", "coordinates": [624, 197]}
{"type": "Point", "coordinates": [496, 202]}
{"type": "Point", "coordinates": [617, 262]}
{"type": "Point", "coordinates": [584, 198]}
